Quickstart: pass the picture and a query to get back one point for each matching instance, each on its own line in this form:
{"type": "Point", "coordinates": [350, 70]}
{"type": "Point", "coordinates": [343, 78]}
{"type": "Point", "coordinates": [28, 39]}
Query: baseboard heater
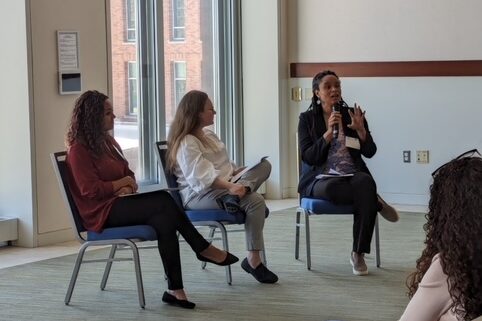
{"type": "Point", "coordinates": [8, 229]}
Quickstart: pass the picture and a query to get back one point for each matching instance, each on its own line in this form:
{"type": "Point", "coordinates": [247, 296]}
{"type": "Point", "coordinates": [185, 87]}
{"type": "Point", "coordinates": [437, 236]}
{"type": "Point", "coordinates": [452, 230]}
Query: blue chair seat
{"type": "Point", "coordinates": [142, 232]}
{"type": "Point", "coordinates": [215, 215]}
{"type": "Point", "coordinates": [316, 206]}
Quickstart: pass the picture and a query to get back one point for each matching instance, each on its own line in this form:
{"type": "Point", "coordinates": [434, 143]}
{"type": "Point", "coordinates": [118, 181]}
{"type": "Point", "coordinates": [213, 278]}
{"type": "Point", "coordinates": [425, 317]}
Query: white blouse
{"type": "Point", "coordinates": [198, 165]}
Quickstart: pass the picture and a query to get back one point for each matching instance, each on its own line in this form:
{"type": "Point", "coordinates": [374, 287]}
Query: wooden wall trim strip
{"type": "Point", "coordinates": [390, 68]}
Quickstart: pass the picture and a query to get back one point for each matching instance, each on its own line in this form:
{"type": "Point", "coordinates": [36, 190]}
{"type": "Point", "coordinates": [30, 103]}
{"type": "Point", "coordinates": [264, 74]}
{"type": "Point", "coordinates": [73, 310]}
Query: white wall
{"type": "Point", "coordinates": [34, 116]}
{"type": "Point", "coordinates": [442, 114]}
{"type": "Point", "coordinates": [15, 142]}
{"type": "Point", "coordinates": [379, 30]}
{"type": "Point", "coordinates": [264, 80]}
{"type": "Point", "coordinates": [52, 111]}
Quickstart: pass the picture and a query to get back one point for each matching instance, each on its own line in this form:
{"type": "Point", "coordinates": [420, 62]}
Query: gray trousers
{"type": "Point", "coordinates": [252, 203]}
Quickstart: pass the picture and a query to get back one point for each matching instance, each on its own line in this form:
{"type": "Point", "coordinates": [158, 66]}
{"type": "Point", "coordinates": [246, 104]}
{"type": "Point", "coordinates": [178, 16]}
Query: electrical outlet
{"type": "Point", "coordinates": [406, 156]}
{"type": "Point", "coordinates": [422, 156]}
{"type": "Point", "coordinates": [308, 94]}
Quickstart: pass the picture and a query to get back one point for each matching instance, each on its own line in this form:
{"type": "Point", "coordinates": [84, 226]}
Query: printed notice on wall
{"type": "Point", "coordinates": [68, 50]}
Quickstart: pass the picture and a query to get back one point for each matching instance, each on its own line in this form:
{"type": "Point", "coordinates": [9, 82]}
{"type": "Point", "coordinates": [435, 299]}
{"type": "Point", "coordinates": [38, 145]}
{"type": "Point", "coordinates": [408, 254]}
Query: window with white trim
{"type": "Point", "coordinates": [130, 21]}
{"type": "Point", "coordinates": [132, 86]}
{"type": "Point", "coordinates": [178, 20]}
{"type": "Point", "coordinates": [179, 81]}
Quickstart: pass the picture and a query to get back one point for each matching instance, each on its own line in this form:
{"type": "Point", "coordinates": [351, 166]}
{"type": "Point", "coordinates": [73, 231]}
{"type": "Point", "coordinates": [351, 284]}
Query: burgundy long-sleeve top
{"type": "Point", "coordinates": [90, 181]}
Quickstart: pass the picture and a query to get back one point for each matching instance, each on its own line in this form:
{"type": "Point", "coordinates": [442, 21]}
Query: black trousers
{"type": "Point", "coordinates": [161, 212]}
{"type": "Point", "coordinates": [359, 190]}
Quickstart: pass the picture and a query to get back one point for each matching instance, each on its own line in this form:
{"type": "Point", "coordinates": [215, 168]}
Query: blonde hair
{"type": "Point", "coordinates": [185, 122]}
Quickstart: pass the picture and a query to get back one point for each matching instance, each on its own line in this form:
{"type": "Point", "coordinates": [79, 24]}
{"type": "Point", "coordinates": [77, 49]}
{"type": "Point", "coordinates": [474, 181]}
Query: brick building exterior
{"type": "Point", "coordinates": [187, 52]}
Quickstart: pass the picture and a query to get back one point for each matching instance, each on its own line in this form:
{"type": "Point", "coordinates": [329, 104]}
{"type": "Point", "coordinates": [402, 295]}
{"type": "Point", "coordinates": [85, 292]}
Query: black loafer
{"type": "Point", "coordinates": [230, 259]}
{"type": "Point", "coordinates": [260, 273]}
{"type": "Point", "coordinates": [172, 300]}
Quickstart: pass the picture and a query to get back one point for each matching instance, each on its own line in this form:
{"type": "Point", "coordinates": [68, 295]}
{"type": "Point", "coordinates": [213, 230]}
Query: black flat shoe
{"type": "Point", "coordinates": [229, 203]}
{"type": "Point", "coordinates": [260, 273]}
{"type": "Point", "coordinates": [230, 259]}
{"type": "Point", "coordinates": [172, 300]}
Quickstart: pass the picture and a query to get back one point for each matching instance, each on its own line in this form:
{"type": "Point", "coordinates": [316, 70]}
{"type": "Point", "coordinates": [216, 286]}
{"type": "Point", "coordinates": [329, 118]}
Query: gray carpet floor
{"type": "Point", "coordinates": [328, 292]}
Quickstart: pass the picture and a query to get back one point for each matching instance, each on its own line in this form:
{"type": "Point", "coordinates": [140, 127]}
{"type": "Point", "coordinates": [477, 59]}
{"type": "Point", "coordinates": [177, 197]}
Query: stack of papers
{"type": "Point", "coordinates": [236, 177]}
{"type": "Point", "coordinates": [331, 174]}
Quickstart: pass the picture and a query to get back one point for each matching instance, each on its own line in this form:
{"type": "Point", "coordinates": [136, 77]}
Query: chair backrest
{"type": "Point", "coordinates": [171, 179]}
{"type": "Point", "coordinates": [61, 172]}
{"type": "Point", "coordinates": [302, 166]}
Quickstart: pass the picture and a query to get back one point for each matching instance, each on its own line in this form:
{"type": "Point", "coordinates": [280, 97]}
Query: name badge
{"type": "Point", "coordinates": [352, 142]}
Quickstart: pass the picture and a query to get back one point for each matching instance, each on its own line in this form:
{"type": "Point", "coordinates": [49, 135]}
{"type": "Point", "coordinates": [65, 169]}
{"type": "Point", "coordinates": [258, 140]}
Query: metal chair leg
{"type": "Point", "coordinates": [224, 236]}
{"type": "Point", "coordinates": [297, 234]}
{"type": "Point", "coordinates": [377, 242]}
{"type": "Point", "coordinates": [212, 229]}
{"type": "Point", "coordinates": [108, 267]}
{"type": "Point", "coordinates": [308, 245]}
{"type": "Point", "coordinates": [75, 273]}
{"type": "Point", "coordinates": [137, 268]}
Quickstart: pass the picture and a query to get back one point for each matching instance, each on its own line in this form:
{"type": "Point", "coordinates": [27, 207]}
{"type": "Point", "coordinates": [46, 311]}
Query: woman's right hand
{"type": "Point", "coordinates": [237, 189]}
{"type": "Point", "coordinates": [127, 181]}
{"type": "Point", "coordinates": [233, 188]}
{"type": "Point", "coordinates": [335, 118]}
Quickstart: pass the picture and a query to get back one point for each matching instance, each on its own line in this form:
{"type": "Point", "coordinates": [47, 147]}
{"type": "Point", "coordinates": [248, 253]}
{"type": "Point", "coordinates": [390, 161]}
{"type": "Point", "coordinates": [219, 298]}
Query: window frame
{"type": "Point", "coordinates": [176, 78]}
{"type": "Point", "coordinates": [176, 21]}
{"type": "Point", "coordinates": [130, 87]}
{"type": "Point", "coordinates": [130, 16]}
{"type": "Point", "coordinates": [152, 77]}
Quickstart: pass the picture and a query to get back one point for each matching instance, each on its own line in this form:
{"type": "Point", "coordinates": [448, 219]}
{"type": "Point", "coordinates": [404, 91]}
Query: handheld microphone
{"type": "Point", "coordinates": [336, 108]}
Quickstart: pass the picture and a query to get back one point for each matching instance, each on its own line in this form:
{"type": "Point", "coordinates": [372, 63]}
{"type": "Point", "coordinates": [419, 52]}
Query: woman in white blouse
{"type": "Point", "coordinates": [201, 163]}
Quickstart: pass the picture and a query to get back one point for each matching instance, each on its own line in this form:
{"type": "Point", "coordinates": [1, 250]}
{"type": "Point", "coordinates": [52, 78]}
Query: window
{"type": "Point", "coordinates": [130, 20]}
{"type": "Point", "coordinates": [179, 81]}
{"type": "Point", "coordinates": [150, 73]}
{"type": "Point", "coordinates": [178, 20]}
{"type": "Point", "coordinates": [132, 86]}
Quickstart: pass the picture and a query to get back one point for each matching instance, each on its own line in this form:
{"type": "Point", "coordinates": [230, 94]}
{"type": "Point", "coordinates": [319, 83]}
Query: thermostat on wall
{"type": "Point", "coordinates": [70, 82]}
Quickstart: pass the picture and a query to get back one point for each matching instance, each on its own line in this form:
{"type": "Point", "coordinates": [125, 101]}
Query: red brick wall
{"type": "Point", "coordinates": [189, 50]}
{"type": "Point", "coordinates": [122, 52]}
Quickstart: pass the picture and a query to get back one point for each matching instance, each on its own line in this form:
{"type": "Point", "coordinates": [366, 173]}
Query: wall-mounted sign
{"type": "Point", "coordinates": [68, 50]}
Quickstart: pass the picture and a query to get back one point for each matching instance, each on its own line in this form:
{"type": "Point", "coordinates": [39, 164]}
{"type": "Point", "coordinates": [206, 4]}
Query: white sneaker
{"type": "Point", "coordinates": [357, 261]}
{"type": "Point", "coordinates": [387, 211]}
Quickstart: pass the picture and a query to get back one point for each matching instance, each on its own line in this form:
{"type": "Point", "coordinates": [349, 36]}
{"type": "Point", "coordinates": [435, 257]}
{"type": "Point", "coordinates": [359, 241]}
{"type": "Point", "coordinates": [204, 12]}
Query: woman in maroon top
{"type": "Point", "coordinates": [99, 175]}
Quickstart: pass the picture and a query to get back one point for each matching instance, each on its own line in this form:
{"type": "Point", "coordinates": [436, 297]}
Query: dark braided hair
{"type": "Point", "coordinates": [87, 122]}
{"type": "Point", "coordinates": [315, 104]}
{"type": "Point", "coordinates": [454, 229]}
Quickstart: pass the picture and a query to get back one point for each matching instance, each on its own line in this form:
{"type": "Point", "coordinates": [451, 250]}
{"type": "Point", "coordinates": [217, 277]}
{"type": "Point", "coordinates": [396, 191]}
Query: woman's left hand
{"type": "Point", "coordinates": [357, 119]}
{"type": "Point", "coordinates": [124, 190]}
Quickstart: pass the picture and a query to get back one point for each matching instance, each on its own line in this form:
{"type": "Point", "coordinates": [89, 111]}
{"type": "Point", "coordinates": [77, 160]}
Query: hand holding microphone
{"type": "Point", "coordinates": [337, 118]}
{"type": "Point", "coordinates": [336, 110]}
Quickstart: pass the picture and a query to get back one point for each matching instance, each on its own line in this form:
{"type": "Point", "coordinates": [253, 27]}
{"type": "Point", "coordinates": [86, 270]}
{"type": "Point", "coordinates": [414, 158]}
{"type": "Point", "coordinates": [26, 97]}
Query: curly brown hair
{"type": "Point", "coordinates": [454, 230]}
{"type": "Point", "coordinates": [87, 122]}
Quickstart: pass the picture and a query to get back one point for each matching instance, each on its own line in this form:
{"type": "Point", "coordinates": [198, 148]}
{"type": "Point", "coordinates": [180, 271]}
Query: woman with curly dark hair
{"type": "Point", "coordinates": [99, 175]}
{"type": "Point", "coordinates": [448, 282]}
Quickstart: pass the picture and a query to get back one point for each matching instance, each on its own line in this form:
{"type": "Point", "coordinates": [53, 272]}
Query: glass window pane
{"type": "Point", "coordinates": [130, 19]}
{"type": "Point", "coordinates": [125, 80]}
{"type": "Point", "coordinates": [178, 20]}
{"type": "Point", "coordinates": [189, 64]}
